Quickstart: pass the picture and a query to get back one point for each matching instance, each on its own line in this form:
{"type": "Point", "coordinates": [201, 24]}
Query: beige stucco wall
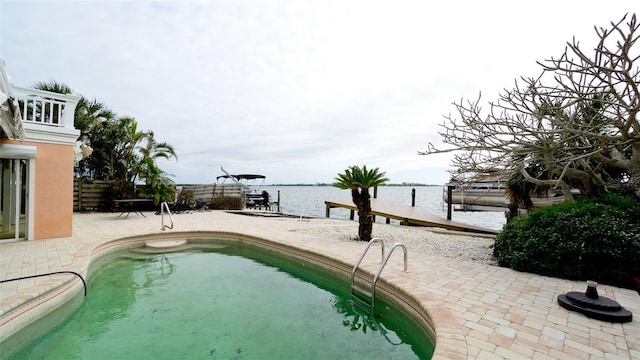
{"type": "Point", "coordinates": [53, 190]}
{"type": "Point", "coordinates": [53, 202]}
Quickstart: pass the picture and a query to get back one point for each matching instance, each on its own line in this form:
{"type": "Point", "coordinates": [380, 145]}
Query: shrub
{"type": "Point", "coordinates": [227, 203]}
{"type": "Point", "coordinates": [186, 201]}
{"type": "Point", "coordinates": [590, 239]}
{"type": "Point", "coordinates": [158, 192]}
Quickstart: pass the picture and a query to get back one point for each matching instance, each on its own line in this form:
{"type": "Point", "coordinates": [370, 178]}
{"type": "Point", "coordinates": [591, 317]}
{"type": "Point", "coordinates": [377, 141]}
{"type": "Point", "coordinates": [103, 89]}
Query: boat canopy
{"type": "Point", "coordinates": [242, 177]}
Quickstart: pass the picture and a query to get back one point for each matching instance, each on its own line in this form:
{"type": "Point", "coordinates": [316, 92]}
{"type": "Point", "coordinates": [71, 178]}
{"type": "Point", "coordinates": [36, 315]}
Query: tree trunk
{"type": "Point", "coordinates": [634, 168]}
{"type": "Point", "coordinates": [362, 200]}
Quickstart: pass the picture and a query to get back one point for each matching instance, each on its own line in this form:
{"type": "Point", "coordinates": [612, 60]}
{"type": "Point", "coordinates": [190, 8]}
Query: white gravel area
{"type": "Point", "coordinates": [428, 241]}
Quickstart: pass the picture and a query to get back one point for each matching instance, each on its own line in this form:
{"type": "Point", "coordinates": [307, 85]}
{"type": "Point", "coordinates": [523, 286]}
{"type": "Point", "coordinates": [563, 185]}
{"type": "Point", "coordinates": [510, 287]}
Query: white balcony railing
{"type": "Point", "coordinates": [45, 108]}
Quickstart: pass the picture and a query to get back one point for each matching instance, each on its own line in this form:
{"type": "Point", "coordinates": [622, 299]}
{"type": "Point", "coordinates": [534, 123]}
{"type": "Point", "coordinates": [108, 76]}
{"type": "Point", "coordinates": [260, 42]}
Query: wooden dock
{"type": "Point", "coordinates": [407, 215]}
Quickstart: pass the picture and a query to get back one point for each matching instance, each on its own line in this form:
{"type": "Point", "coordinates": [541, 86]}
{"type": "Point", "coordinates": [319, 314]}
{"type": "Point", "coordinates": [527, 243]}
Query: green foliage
{"type": "Point", "coordinates": [590, 239]}
{"type": "Point", "coordinates": [53, 86]}
{"type": "Point", "coordinates": [159, 192]}
{"type": "Point", "coordinates": [121, 151]}
{"type": "Point", "coordinates": [158, 185]}
{"type": "Point", "coordinates": [227, 203]}
{"type": "Point", "coordinates": [121, 190]}
{"type": "Point", "coordinates": [359, 177]}
{"type": "Point", "coordinates": [186, 199]}
{"type": "Point", "coordinates": [520, 189]}
{"type": "Point", "coordinates": [359, 180]}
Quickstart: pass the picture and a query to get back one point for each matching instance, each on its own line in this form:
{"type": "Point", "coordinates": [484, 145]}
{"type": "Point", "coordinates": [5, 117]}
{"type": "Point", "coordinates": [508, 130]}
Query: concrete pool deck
{"type": "Point", "coordinates": [479, 311]}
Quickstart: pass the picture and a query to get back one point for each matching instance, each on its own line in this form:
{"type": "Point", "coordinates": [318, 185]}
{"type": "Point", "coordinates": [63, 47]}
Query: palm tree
{"type": "Point", "coordinates": [128, 160]}
{"type": "Point", "coordinates": [121, 152]}
{"type": "Point", "coordinates": [154, 149]}
{"type": "Point", "coordinates": [359, 180]}
{"type": "Point", "coordinates": [89, 114]}
{"type": "Point", "coordinates": [90, 117]}
{"type": "Point", "coordinates": [53, 86]}
{"type": "Point", "coordinates": [159, 186]}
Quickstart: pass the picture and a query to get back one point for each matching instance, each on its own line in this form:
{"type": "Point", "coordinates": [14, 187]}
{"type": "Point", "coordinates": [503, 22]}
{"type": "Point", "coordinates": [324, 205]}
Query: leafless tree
{"type": "Point", "coordinates": [573, 126]}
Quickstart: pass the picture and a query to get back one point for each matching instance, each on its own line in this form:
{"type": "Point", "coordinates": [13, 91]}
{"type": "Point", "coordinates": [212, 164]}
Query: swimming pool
{"type": "Point", "coordinates": [227, 295]}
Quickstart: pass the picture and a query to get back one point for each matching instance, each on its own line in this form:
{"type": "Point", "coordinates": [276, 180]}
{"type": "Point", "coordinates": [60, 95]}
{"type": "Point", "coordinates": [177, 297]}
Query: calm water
{"type": "Point", "coordinates": [309, 200]}
{"type": "Point", "coordinates": [227, 304]}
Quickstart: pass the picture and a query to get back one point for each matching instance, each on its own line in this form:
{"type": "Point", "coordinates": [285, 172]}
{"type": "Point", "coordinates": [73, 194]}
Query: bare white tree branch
{"type": "Point", "coordinates": [573, 126]}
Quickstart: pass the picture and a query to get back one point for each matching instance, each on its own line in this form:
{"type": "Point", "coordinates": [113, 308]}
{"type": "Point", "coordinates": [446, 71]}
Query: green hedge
{"type": "Point", "coordinates": [590, 239]}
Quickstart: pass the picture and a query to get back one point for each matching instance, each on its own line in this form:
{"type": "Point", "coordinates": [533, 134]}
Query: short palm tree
{"type": "Point", "coordinates": [359, 180]}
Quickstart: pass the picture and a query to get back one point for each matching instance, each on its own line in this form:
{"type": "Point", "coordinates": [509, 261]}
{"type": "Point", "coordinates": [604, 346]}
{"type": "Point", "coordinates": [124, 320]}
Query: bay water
{"type": "Point", "coordinates": [310, 201]}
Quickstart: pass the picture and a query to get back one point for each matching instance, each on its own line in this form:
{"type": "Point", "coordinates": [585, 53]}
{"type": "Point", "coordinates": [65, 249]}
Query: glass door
{"type": "Point", "coordinates": [13, 199]}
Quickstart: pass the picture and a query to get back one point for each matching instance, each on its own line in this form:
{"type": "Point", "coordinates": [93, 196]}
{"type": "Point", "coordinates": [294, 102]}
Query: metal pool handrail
{"type": "Point", "coordinates": [384, 262]}
{"type": "Point", "coordinates": [163, 206]}
{"type": "Point", "coordinates": [84, 283]}
{"type": "Point", "coordinates": [355, 267]}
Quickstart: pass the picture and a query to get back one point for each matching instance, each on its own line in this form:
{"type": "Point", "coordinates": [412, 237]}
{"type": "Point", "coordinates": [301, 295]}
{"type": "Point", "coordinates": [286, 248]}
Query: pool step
{"type": "Point", "coordinates": [362, 291]}
{"type": "Point", "coordinates": [165, 244]}
{"type": "Point", "coordinates": [361, 303]}
{"type": "Point", "coordinates": [362, 295]}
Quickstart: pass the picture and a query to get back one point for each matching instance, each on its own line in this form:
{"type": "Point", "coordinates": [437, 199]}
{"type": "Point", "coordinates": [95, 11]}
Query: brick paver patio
{"type": "Point", "coordinates": [479, 311]}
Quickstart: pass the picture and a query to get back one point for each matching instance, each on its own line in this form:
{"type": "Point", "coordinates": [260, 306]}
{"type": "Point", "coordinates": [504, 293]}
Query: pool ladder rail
{"type": "Point", "coordinates": [367, 297]}
{"type": "Point", "coordinates": [164, 206]}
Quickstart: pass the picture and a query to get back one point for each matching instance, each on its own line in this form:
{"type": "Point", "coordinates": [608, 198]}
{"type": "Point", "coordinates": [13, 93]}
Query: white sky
{"type": "Point", "coordinates": [296, 90]}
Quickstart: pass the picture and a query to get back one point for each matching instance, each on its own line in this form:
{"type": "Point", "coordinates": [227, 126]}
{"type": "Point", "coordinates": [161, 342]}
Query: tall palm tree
{"type": "Point", "coordinates": [53, 86]}
{"type": "Point", "coordinates": [159, 186]}
{"type": "Point", "coordinates": [90, 117]}
{"type": "Point", "coordinates": [154, 149]}
{"type": "Point", "coordinates": [128, 160]}
{"type": "Point", "coordinates": [359, 180]}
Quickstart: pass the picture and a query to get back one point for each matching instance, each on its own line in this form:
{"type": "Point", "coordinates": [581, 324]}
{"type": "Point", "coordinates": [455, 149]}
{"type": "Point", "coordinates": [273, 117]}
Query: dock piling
{"type": "Point", "coordinates": [449, 200]}
{"type": "Point", "coordinates": [413, 197]}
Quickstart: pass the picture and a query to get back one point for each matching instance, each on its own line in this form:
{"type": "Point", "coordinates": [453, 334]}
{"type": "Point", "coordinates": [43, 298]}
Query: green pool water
{"type": "Point", "coordinates": [228, 303]}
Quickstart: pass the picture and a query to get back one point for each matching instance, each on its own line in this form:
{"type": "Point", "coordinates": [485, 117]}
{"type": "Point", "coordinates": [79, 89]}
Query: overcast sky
{"type": "Point", "coordinates": [296, 90]}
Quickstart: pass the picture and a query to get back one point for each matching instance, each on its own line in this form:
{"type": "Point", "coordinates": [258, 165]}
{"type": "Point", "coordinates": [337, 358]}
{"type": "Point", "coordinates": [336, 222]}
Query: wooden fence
{"type": "Point", "coordinates": [206, 193]}
{"type": "Point", "coordinates": [91, 195]}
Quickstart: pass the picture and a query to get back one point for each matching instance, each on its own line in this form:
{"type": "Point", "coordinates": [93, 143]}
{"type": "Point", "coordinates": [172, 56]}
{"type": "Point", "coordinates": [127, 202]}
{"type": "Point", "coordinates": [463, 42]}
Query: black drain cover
{"type": "Point", "coordinates": [594, 306]}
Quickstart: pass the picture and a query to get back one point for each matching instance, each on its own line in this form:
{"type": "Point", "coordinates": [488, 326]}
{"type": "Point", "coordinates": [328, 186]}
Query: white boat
{"type": "Point", "coordinates": [255, 195]}
{"type": "Point", "coordinates": [491, 195]}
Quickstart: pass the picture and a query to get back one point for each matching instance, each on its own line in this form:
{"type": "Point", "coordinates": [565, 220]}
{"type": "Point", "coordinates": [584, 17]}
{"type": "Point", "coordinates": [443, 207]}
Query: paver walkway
{"type": "Point", "coordinates": [480, 311]}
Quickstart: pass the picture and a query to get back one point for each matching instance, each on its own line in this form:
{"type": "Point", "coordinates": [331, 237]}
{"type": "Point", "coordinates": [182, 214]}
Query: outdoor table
{"type": "Point", "coordinates": [129, 205]}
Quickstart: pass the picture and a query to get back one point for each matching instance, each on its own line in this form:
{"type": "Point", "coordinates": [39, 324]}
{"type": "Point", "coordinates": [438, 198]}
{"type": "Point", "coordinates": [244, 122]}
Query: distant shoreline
{"type": "Point", "coordinates": [326, 184]}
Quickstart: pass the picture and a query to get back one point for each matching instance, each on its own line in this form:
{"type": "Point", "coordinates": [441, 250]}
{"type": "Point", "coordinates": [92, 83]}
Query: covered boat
{"type": "Point", "coordinates": [491, 195]}
{"type": "Point", "coordinates": [251, 188]}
